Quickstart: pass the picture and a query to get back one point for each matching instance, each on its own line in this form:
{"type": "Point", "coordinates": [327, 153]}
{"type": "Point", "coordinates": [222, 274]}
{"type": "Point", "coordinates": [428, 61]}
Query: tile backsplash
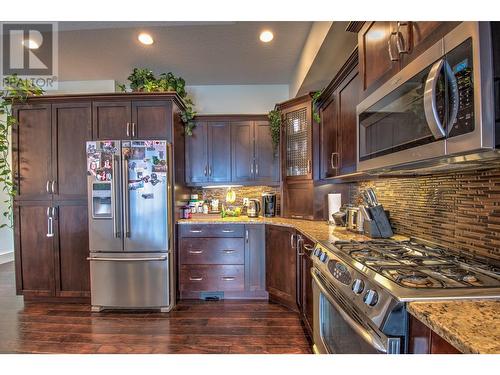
{"type": "Point", "coordinates": [459, 210]}
{"type": "Point", "coordinates": [251, 192]}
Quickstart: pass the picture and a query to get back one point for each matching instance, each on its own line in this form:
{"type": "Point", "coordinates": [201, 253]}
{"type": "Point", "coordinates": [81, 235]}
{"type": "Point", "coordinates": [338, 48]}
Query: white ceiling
{"type": "Point", "coordinates": [204, 53]}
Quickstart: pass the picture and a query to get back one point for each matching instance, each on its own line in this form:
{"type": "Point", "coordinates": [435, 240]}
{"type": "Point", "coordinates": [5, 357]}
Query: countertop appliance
{"type": "Point", "coordinates": [253, 208]}
{"type": "Point", "coordinates": [360, 290]}
{"type": "Point", "coordinates": [269, 204]}
{"type": "Point", "coordinates": [437, 111]}
{"type": "Point", "coordinates": [130, 224]}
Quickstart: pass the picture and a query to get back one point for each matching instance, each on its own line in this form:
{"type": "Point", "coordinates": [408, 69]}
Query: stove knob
{"type": "Point", "coordinates": [371, 297]}
{"type": "Point", "coordinates": [320, 254]}
{"type": "Point", "coordinates": [323, 257]}
{"type": "Point", "coordinates": [358, 286]}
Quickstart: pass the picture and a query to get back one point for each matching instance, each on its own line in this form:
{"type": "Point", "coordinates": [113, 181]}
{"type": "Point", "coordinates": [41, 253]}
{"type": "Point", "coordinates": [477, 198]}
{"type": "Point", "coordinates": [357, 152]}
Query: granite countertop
{"type": "Point", "coordinates": [315, 230]}
{"type": "Point", "coordinates": [472, 326]}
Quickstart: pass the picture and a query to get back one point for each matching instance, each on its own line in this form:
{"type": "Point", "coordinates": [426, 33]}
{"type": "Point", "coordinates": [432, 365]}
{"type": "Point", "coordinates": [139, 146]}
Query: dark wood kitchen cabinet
{"type": "Point", "coordinates": [231, 148]}
{"type": "Point", "coordinates": [132, 119]}
{"type": "Point", "coordinates": [337, 107]}
{"type": "Point", "coordinates": [423, 340]}
{"type": "Point", "coordinates": [281, 265]}
{"type": "Point", "coordinates": [385, 47]}
{"type": "Point", "coordinates": [49, 170]}
{"type": "Point", "coordinates": [253, 156]}
{"type": "Point", "coordinates": [227, 260]}
{"type": "Point", "coordinates": [305, 247]}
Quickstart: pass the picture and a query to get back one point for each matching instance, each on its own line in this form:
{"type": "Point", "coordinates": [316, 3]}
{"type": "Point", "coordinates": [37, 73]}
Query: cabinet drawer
{"type": "Point", "coordinates": [212, 251]}
{"type": "Point", "coordinates": [222, 278]}
{"type": "Point", "coordinates": [212, 230]}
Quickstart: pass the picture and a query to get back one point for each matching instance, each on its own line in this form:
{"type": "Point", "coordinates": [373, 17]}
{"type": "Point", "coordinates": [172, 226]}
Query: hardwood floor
{"type": "Point", "coordinates": [193, 327]}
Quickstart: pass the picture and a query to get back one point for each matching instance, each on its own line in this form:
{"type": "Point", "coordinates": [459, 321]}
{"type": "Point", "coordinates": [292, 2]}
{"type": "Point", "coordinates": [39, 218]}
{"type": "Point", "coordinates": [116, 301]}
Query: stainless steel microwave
{"type": "Point", "coordinates": [439, 105]}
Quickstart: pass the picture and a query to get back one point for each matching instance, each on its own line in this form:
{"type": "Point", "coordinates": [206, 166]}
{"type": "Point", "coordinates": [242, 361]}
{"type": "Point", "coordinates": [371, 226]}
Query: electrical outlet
{"type": "Point", "coordinates": [245, 201]}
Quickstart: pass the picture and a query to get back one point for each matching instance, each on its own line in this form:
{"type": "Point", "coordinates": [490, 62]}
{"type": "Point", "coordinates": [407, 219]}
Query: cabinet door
{"type": "Point", "coordinates": [329, 138]}
{"type": "Point", "coordinates": [34, 250]}
{"type": "Point", "coordinates": [151, 119]}
{"type": "Point", "coordinates": [419, 36]}
{"type": "Point", "coordinates": [298, 200]}
{"type": "Point", "coordinates": [305, 247]}
{"type": "Point", "coordinates": [219, 152]}
{"type": "Point", "coordinates": [71, 127]}
{"type": "Point", "coordinates": [297, 147]}
{"type": "Point", "coordinates": [266, 160]}
{"type": "Point", "coordinates": [348, 99]}
{"type": "Point", "coordinates": [376, 64]}
{"type": "Point", "coordinates": [197, 154]}
{"type": "Point", "coordinates": [72, 249]}
{"type": "Point", "coordinates": [242, 151]}
{"type": "Point", "coordinates": [255, 261]}
{"type": "Point", "coordinates": [281, 265]}
{"type": "Point", "coordinates": [112, 120]}
{"type": "Point", "coordinates": [32, 151]}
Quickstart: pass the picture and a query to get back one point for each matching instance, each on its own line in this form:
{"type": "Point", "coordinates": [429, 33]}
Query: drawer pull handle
{"type": "Point", "coordinates": [195, 278]}
{"type": "Point", "coordinates": [228, 278]}
{"type": "Point", "coordinates": [228, 251]}
{"type": "Point", "coordinates": [195, 251]}
{"type": "Point", "coordinates": [195, 231]}
{"type": "Point", "coordinates": [227, 231]}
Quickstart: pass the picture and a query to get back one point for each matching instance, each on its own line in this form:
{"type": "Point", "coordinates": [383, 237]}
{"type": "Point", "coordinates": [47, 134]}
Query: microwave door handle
{"type": "Point", "coordinates": [455, 99]}
{"type": "Point", "coordinates": [430, 105]}
{"type": "Point", "coordinates": [364, 333]}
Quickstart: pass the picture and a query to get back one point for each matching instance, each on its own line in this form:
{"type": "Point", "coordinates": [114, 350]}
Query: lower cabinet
{"type": "Point", "coordinates": [52, 249]}
{"type": "Point", "coordinates": [423, 340]}
{"type": "Point", "coordinates": [305, 247]}
{"type": "Point", "coordinates": [221, 259]}
{"type": "Point", "coordinates": [281, 265]}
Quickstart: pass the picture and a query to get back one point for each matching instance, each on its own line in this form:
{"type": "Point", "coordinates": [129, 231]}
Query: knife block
{"type": "Point", "coordinates": [379, 225]}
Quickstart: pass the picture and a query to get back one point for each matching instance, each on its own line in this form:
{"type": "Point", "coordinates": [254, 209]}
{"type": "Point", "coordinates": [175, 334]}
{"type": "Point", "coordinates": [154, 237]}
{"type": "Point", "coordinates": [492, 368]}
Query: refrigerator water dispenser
{"type": "Point", "coordinates": [101, 200]}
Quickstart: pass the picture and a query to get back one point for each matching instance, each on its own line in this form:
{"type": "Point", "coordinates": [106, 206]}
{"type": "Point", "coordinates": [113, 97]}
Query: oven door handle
{"type": "Point", "coordinates": [363, 332]}
{"type": "Point", "coordinates": [430, 101]}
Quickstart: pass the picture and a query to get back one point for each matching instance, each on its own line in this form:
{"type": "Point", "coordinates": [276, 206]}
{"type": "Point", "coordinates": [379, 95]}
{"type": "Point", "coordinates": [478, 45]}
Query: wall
{"type": "Point", "coordinates": [459, 210]}
{"type": "Point", "coordinates": [237, 99]}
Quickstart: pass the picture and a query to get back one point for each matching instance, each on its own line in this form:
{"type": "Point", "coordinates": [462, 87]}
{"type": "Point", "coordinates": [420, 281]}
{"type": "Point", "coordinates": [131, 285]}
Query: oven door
{"type": "Point", "coordinates": [338, 329]}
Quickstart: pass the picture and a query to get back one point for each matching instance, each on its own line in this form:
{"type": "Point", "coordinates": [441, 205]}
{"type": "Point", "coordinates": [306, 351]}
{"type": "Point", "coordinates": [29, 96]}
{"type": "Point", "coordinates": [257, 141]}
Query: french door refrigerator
{"type": "Point", "coordinates": [130, 224]}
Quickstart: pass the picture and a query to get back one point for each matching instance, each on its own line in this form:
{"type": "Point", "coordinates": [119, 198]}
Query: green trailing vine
{"type": "Point", "coordinates": [144, 80]}
{"type": "Point", "coordinates": [275, 127]}
{"type": "Point", "coordinates": [15, 90]}
{"type": "Point", "coordinates": [315, 97]}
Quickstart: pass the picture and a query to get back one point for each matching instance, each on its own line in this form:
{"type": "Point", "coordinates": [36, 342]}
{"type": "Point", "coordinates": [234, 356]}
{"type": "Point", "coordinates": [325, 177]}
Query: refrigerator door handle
{"type": "Point", "coordinates": [114, 205]}
{"type": "Point", "coordinates": [126, 200]}
{"type": "Point", "coordinates": [111, 259]}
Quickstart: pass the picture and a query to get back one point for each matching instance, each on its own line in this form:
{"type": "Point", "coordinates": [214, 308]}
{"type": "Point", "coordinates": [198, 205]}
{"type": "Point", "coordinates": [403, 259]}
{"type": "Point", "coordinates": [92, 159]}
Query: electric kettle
{"type": "Point", "coordinates": [253, 208]}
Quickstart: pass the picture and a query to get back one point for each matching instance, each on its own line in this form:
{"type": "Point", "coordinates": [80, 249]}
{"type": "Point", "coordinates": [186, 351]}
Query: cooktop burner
{"type": "Point", "coordinates": [415, 265]}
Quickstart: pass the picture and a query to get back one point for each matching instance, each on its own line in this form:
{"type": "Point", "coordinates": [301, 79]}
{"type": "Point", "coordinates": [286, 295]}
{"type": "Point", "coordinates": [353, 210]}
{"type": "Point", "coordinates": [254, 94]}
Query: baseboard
{"type": "Point", "coordinates": [6, 257]}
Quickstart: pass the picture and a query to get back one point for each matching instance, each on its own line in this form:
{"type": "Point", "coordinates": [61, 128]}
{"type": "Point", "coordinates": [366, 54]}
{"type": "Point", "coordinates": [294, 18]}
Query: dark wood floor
{"type": "Point", "coordinates": [193, 327]}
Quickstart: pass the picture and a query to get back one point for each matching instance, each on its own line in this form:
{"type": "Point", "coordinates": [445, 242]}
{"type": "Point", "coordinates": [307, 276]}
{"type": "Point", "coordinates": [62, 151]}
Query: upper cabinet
{"type": "Point", "coordinates": [132, 119]}
{"type": "Point", "coordinates": [231, 149]}
{"type": "Point", "coordinates": [387, 46]}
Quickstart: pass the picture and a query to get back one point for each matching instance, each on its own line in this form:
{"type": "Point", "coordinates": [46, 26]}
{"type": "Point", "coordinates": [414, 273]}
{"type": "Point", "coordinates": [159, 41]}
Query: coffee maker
{"type": "Point", "coordinates": [269, 204]}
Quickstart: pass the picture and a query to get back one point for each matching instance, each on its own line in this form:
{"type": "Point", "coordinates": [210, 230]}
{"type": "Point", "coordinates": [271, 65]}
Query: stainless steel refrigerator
{"type": "Point", "coordinates": [130, 224]}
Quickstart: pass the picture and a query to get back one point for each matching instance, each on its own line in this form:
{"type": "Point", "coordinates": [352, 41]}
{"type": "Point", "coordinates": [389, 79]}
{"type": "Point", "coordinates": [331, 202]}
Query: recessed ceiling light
{"type": "Point", "coordinates": [266, 36]}
{"type": "Point", "coordinates": [145, 38]}
{"type": "Point", "coordinates": [31, 44]}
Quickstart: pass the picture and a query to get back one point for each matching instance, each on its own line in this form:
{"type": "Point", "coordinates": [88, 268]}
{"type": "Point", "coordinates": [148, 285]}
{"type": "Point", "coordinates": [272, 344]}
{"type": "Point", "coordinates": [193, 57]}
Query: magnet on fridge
{"type": "Point", "coordinates": [148, 196]}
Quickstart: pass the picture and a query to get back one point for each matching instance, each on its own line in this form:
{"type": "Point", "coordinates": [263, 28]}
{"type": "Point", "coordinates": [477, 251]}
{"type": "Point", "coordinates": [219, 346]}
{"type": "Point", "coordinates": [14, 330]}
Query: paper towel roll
{"type": "Point", "coordinates": [334, 203]}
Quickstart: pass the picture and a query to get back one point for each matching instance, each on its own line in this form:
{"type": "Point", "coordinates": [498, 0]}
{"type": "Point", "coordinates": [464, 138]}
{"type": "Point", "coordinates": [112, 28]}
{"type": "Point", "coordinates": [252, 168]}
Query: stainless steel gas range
{"type": "Point", "coordinates": [361, 289]}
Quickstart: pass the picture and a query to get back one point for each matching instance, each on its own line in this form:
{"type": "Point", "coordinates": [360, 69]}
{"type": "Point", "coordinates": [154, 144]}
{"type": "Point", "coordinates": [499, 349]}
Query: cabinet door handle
{"type": "Point", "coordinates": [402, 45]}
{"type": "Point", "coordinates": [251, 169]}
{"type": "Point", "coordinates": [47, 187]}
{"type": "Point", "coordinates": [256, 169]}
{"type": "Point", "coordinates": [308, 247]}
{"type": "Point", "coordinates": [389, 46]}
{"type": "Point", "coordinates": [336, 155]}
{"type": "Point", "coordinates": [228, 278]}
{"type": "Point", "coordinates": [195, 278]}
{"type": "Point", "coordinates": [292, 241]}
{"type": "Point", "coordinates": [209, 170]}
{"type": "Point", "coordinates": [133, 129]}
{"type": "Point", "coordinates": [205, 170]}
{"type": "Point", "coordinates": [309, 166]}
{"type": "Point", "coordinates": [50, 222]}
{"type": "Point", "coordinates": [228, 251]}
{"type": "Point", "coordinates": [227, 231]}
{"type": "Point", "coordinates": [195, 231]}
{"type": "Point", "coordinates": [195, 251]}
{"type": "Point", "coordinates": [52, 187]}
{"type": "Point", "coordinates": [246, 235]}
{"type": "Point", "coordinates": [128, 129]}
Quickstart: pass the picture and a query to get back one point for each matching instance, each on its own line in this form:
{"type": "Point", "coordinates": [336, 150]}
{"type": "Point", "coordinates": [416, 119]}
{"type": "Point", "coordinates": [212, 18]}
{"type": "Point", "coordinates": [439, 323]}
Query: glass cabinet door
{"type": "Point", "coordinates": [298, 143]}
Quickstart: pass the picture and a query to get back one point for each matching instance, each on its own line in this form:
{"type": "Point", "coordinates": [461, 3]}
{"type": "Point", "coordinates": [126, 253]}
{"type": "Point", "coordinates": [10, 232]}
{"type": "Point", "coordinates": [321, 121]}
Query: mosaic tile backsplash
{"type": "Point", "coordinates": [251, 192]}
{"type": "Point", "coordinates": [459, 210]}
